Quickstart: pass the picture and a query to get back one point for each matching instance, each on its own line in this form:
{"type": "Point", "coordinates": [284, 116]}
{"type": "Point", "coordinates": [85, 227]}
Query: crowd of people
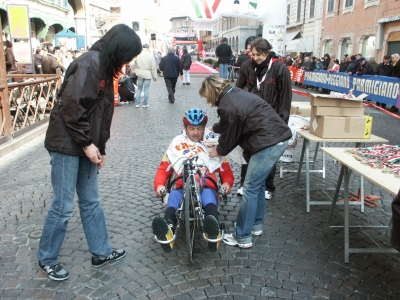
{"type": "Point", "coordinates": [349, 64]}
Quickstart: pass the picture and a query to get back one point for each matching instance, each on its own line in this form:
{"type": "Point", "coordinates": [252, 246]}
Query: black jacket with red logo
{"type": "Point", "coordinates": [276, 89]}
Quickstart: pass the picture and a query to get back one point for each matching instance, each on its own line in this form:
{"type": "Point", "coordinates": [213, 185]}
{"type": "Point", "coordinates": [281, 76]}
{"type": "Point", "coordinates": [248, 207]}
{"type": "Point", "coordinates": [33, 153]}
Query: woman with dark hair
{"type": "Point", "coordinates": [326, 61]}
{"type": "Point", "coordinates": [78, 130]}
{"type": "Point", "coordinates": [9, 57]}
{"type": "Point", "coordinates": [186, 62]}
{"type": "Point", "coordinates": [37, 61]}
{"type": "Point", "coordinates": [248, 121]}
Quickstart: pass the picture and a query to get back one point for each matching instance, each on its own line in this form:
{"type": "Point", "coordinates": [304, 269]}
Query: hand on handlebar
{"type": "Point", "coordinates": [160, 191]}
{"type": "Point", "coordinates": [225, 188]}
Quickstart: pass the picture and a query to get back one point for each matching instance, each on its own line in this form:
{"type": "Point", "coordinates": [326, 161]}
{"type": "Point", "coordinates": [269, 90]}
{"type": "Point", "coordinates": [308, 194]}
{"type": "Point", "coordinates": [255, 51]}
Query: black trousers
{"type": "Point", "coordinates": [126, 96]}
{"type": "Point", "coordinates": [269, 182]}
{"type": "Point", "coordinates": [171, 83]}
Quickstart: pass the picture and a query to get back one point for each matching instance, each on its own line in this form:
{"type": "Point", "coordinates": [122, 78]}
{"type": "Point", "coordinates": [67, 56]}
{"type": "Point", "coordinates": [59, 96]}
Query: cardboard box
{"type": "Point", "coordinates": [325, 100]}
{"type": "Point", "coordinates": [337, 111]}
{"type": "Point", "coordinates": [301, 109]}
{"type": "Point", "coordinates": [341, 127]}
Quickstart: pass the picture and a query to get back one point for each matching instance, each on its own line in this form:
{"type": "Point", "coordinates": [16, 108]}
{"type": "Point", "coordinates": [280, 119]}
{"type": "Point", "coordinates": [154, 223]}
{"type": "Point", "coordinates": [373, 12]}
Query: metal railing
{"type": "Point", "coordinates": [30, 100]}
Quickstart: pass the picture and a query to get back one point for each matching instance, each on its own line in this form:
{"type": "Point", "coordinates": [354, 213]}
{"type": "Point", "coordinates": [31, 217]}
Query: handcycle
{"type": "Point", "coordinates": [190, 214]}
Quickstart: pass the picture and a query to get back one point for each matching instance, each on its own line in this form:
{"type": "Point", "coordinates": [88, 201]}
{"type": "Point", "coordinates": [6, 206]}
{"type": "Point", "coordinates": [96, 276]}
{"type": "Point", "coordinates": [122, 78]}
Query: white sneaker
{"type": "Point", "coordinates": [145, 106]}
{"type": "Point", "coordinates": [231, 241]}
{"type": "Point", "coordinates": [240, 191]}
{"type": "Point", "coordinates": [268, 195]}
{"type": "Point", "coordinates": [258, 232]}
{"type": "Point", "coordinates": [137, 106]}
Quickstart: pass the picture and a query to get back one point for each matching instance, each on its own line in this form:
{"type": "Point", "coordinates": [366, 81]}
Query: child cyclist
{"type": "Point", "coordinates": [192, 142]}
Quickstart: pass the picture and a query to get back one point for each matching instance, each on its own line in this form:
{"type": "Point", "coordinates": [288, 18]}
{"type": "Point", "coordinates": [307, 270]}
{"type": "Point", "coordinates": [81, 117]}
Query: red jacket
{"type": "Point", "coordinates": [164, 171]}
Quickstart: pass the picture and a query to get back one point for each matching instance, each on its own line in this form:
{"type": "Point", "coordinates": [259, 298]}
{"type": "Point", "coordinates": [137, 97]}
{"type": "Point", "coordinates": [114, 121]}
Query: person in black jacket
{"type": "Point", "coordinates": [248, 121]}
{"type": "Point", "coordinates": [266, 76]}
{"type": "Point", "coordinates": [364, 68]}
{"type": "Point", "coordinates": [78, 130]}
{"type": "Point", "coordinates": [223, 52]}
{"type": "Point", "coordinates": [186, 62]}
{"type": "Point", "coordinates": [171, 67]}
{"type": "Point", "coordinates": [384, 69]}
{"type": "Point", "coordinates": [242, 58]}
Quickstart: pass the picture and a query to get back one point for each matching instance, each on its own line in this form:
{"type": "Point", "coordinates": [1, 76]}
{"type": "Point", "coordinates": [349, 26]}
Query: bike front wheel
{"type": "Point", "coordinates": [189, 225]}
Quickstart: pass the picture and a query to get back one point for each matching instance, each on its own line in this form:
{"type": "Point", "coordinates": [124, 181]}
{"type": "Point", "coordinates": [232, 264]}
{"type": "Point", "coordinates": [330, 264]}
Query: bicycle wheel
{"type": "Point", "coordinates": [189, 226]}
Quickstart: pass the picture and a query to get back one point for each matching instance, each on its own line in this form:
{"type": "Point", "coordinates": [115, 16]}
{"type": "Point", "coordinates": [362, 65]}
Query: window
{"type": "Point", "coordinates": [331, 6]}
{"type": "Point", "coordinates": [348, 3]}
{"type": "Point", "coordinates": [298, 10]}
{"type": "Point", "coordinates": [369, 46]}
{"type": "Point", "coordinates": [288, 14]}
{"type": "Point", "coordinates": [177, 24]}
{"type": "Point", "coordinates": [328, 46]}
{"type": "Point", "coordinates": [312, 8]}
{"type": "Point", "coordinates": [347, 47]}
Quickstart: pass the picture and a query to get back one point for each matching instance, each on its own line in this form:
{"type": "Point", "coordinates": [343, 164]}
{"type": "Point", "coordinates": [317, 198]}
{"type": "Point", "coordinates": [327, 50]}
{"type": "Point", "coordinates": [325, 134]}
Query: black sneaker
{"type": "Point", "coordinates": [115, 255]}
{"type": "Point", "coordinates": [163, 231]}
{"type": "Point", "coordinates": [55, 272]}
{"type": "Point", "coordinates": [211, 229]}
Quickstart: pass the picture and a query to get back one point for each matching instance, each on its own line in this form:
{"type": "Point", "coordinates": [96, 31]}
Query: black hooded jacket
{"type": "Point", "coordinates": [83, 110]}
{"type": "Point", "coordinates": [248, 121]}
{"type": "Point", "coordinates": [276, 89]}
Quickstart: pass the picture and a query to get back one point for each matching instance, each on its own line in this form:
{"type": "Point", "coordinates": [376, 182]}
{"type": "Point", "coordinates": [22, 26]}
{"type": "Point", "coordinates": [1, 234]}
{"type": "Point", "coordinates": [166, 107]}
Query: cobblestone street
{"type": "Point", "coordinates": [292, 259]}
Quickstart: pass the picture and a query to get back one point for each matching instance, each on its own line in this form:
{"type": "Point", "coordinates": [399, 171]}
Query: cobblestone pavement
{"type": "Point", "coordinates": [291, 259]}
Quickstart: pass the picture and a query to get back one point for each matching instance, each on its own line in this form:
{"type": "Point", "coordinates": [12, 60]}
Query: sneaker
{"type": "Point", "coordinates": [55, 272]}
{"type": "Point", "coordinates": [145, 106]}
{"type": "Point", "coordinates": [115, 255]}
{"type": "Point", "coordinates": [184, 83]}
{"type": "Point", "coordinates": [163, 231]}
{"type": "Point", "coordinates": [240, 191]}
{"type": "Point", "coordinates": [211, 229]}
{"type": "Point", "coordinates": [268, 195]}
{"type": "Point", "coordinates": [188, 83]}
{"type": "Point", "coordinates": [137, 105]}
{"type": "Point", "coordinates": [231, 241]}
{"type": "Point", "coordinates": [258, 232]}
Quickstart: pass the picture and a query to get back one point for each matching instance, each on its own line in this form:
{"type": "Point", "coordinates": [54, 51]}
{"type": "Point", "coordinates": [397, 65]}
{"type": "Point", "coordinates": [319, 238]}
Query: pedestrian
{"type": "Point", "coordinates": [223, 52]}
{"type": "Point", "coordinates": [78, 129]}
{"type": "Point", "coordinates": [372, 62]}
{"type": "Point", "coordinates": [335, 66]}
{"type": "Point", "coordinates": [67, 58]}
{"type": "Point", "coordinates": [384, 69]}
{"type": "Point", "coordinates": [267, 77]}
{"type": "Point", "coordinates": [248, 121]}
{"type": "Point", "coordinates": [242, 58]}
{"type": "Point", "coordinates": [364, 67]}
{"type": "Point", "coordinates": [50, 62]}
{"type": "Point", "coordinates": [11, 63]}
{"type": "Point", "coordinates": [186, 62]}
{"type": "Point", "coordinates": [144, 65]}
{"type": "Point", "coordinates": [344, 63]}
{"type": "Point", "coordinates": [171, 68]}
{"type": "Point", "coordinates": [395, 73]}
{"type": "Point", "coordinates": [353, 65]}
{"type": "Point", "coordinates": [37, 61]}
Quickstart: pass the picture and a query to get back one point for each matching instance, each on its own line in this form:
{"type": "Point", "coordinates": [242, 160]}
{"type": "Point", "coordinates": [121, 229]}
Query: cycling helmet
{"type": "Point", "coordinates": [195, 116]}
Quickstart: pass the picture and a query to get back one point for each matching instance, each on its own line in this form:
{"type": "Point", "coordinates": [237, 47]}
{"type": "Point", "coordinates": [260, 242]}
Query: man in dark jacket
{"type": "Point", "coordinates": [242, 58]}
{"type": "Point", "coordinates": [223, 52]}
{"type": "Point", "coordinates": [353, 65]}
{"type": "Point", "coordinates": [50, 62]}
{"type": "Point", "coordinates": [345, 63]}
{"type": "Point", "coordinates": [384, 69]}
{"type": "Point", "coordinates": [364, 68]}
{"type": "Point", "coordinates": [266, 76]}
{"type": "Point", "coordinates": [172, 68]}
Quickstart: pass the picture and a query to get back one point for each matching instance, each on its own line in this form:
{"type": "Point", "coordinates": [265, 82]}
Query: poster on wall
{"type": "Point", "coordinates": [22, 52]}
{"type": "Point", "coordinates": [275, 36]}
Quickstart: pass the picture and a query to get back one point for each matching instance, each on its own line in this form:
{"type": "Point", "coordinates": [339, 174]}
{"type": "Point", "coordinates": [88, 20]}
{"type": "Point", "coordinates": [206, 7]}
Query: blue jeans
{"type": "Point", "coordinates": [143, 83]}
{"type": "Point", "coordinates": [223, 71]}
{"type": "Point", "coordinates": [252, 211]}
{"type": "Point", "coordinates": [70, 173]}
{"type": "Point", "coordinates": [207, 196]}
{"type": "Point", "coordinates": [186, 76]}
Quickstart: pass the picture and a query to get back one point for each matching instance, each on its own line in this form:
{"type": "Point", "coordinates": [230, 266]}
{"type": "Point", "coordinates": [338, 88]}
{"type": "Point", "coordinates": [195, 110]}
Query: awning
{"type": "Point", "coordinates": [389, 19]}
{"type": "Point", "coordinates": [290, 36]}
{"type": "Point", "coordinates": [303, 44]}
